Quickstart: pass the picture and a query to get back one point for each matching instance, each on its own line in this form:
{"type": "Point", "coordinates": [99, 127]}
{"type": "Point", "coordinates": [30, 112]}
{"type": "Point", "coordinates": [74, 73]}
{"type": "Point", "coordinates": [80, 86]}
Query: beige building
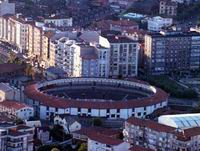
{"type": "Point", "coordinates": [34, 41]}
{"type": "Point", "coordinates": [30, 39]}
{"type": "Point", "coordinates": [14, 30]}
{"type": "Point", "coordinates": [48, 50]}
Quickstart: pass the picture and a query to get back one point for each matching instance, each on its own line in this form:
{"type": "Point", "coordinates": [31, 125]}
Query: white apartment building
{"type": "Point", "coordinates": [59, 21]}
{"type": "Point", "coordinates": [157, 23]}
{"type": "Point", "coordinates": [123, 56]}
{"type": "Point", "coordinates": [16, 109]}
{"type": "Point", "coordinates": [9, 93]}
{"type": "Point", "coordinates": [99, 142]}
{"type": "Point", "coordinates": [16, 138]}
{"type": "Point", "coordinates": [65, 56]}
{"type": "Point", "coordinates": [103, 50]}
{"type": "Point", "coordinates": [6, 7]}
{"type": "Point", "coordinates": [14, 30]}
{"type": "Point", "coordinates": [69, 124]}
{"type": "Point", "coordinates": [80, 59]}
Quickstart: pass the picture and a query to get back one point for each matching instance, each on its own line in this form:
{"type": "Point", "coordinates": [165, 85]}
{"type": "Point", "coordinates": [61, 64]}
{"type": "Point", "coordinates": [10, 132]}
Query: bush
{"type": "Point", "coordinates": [170, 86]}
{"type": "Point", "coordinates": [58, 134]}
{"type": "Point", "coordinates": [83, 147]}
{"type": "Point", "coordinates": [97, 122]}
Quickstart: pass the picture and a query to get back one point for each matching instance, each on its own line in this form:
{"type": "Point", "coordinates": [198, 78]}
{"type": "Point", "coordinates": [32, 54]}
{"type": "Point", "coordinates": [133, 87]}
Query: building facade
{"type": "Point", "coordinates": [123, 56]}
{"type": "Point", "coordinates": [99, 142]}
{"type": "Point", "coordinates": [48, 106]}
{"type": "Point", "coordinates": [168, 8]}
{"type": "Point", "coordinates": [167, 52]}
{"type": "Point", "coordinates": [7, 8]}
{"type": "Point", "coordinates": [152, 135]}
{"type": "Point", "coordinates": [16, 138]}
{"type": "Point", "coordinates": [16, 109]}
{"type": "Point", "coordinates": [157, 23]}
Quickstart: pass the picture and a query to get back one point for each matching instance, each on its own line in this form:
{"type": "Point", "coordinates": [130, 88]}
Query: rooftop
{"type": "Point", "coordinates": [151, 124]}
{"type": "Point", "coordinates": [104, 139]}
{"type": "Point", "coordinates": [119, 39]}
{"type": "Point", "coordinates": [174, 34]}
{"type": "Point", "coordinates": [182, 121]}
{"type": "Point", "coordinates": [13, 104]}
{"type": "Point", "coordinates": [9, 67]}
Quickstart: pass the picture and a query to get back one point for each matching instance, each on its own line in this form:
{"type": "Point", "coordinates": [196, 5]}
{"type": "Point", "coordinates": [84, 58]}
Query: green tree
{"type": "Point", "coordinates": [11, 57]}
{"type": "Point", "coordinates": [19, 121]}
{"type": "Point", "coordinates": [55, 149]}
{"type": "Point", "coordinates": [83, 147]}
{"type": "Point", "coordinates": [97, 122]}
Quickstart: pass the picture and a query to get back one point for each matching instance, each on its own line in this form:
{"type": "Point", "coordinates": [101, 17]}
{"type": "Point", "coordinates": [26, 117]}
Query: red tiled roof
{"type": "Point", "coordinates": [44, 99]}
{"type": "Point", "coordinates": [188, 133]}
{"type": "Point", "coordinates": [104, 131]}
{"type": "Point", "coordinates": [183, 135]}
{"type": "Point", "coordinates": [151, 124]}
{"type": "Point", "coordinates": [139, 148]}
{"type": "Point", "coordinates": [123, 23]}
{"type": "Point", "coordinates": [104, 139]}
{"type": "Point", "coordinates": [13, 104]}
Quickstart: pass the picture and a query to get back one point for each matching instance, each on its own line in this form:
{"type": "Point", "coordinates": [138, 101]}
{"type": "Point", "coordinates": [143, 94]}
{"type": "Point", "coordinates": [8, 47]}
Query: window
{"type": "Point", "coordinates": [113, 115]}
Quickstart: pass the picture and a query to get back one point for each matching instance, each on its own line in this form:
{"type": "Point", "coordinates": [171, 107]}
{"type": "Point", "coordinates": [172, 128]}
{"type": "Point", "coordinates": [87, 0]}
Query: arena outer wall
{"type": "Point", "coordinates": [46, 105]}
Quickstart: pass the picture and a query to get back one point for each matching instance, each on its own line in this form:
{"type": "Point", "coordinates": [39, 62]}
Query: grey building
{"type": "Point", "coordinates": [168, 52]}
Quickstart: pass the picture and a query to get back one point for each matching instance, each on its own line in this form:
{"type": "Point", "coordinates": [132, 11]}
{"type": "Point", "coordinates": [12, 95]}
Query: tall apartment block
{"type": "Point", "coordinates": [168, 52]}
{"type": "Point", "coordinates": [79, 59]}
{"type": "Point", "coordinates": [123, 56]}
{"type": "Point", "coordinates": [31, 40]}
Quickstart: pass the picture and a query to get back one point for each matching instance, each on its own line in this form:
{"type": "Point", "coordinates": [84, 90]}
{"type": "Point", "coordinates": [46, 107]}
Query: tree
{"type": "Point", "coordinates": [29, 71]}
{"type": "Point", "coordinates": [97, 122]}
{"type": "Point", "coordinates": [19, 121]}
{"type": "Point", "coordinates": [11, 57]}
{"type": "Point", "coordinates": [55, 149]}
{"type": "Point", "coordinates": [83, 147]}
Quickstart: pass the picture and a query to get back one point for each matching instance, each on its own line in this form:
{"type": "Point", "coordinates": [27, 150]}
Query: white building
{"type": "Point", "coordinates": [59, 21]}
{"type": "Point", "coordinates": [157, 23]}
{"type": "Point", "coordinates": [16, 109]}
{"type": "Point", "coordinates": [14, 29]}
{"type": "Point", "coordinates": [68, 123]}
{"type": "Point", "coordinates": [16, 138]}
{"type": "Point", "coordinates": [79, 59]}
{"type": "Point", "coordinates": [9, 93]}
{"type": "Point", "coordinates": [6, 7]}
{"type": "Point", "coordinates": [103, 50]}
{"type": "Point", "coordinates": [182, 121]}
{"type": "Point", "coordinates": [123, 56]}
{"type": "Point", "coordinates": [99, 142]}
{"type": "Point", "coordinates": [43, 134]}
{"type": "Point", "coordinates": [183, 1]}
